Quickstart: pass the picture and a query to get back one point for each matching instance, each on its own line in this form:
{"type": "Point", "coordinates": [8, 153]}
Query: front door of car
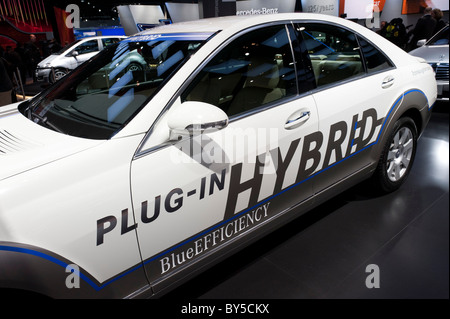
{"type": "Point", "coordinates": [202, 191]}
{"type": "Point", "coordinates": [83, 52]}
{"type": "Point", "coordinates": [353, 92]}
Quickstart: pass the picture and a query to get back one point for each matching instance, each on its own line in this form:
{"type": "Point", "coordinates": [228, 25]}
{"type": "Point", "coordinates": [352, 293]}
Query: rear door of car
{"type": "Point", "coordinates": [106, 42]}
{"type": "Point", "coordinates": [355, 89]}
{"type": "Point", "coordinates": [197, 195]}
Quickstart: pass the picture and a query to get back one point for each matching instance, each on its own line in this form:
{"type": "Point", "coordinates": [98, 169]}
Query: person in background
{"type": "Point", "coordinates": [395, 31]}
{"type": "Point", "coordinates": [54, 46]}
{"type": "Point", "coordinates": [383, 25]}
{"type": "Point", "coordinates": [440, 23]}
{"type": "Point", "coordinates": [5, 85]}
{"type": "Point", "coordinates": [423, 30]}
{"type": "Point", "coordinates": [22, 67]}
{"type": "Point", "coordinates": [32, 56]}
{"type": "Point", "coordinates": [14, 59]}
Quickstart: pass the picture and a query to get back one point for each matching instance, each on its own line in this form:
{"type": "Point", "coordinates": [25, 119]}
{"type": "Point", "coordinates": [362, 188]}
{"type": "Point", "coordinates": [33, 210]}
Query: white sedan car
{"type": "Point", "coordinates": [120, 182]}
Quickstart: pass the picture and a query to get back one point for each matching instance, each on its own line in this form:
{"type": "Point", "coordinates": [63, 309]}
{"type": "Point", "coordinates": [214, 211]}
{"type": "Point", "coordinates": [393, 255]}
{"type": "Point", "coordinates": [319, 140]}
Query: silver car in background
{"type": "Point", "coordinates": [435, 52]}
{"type": "Point", "coordinates": [57, 65]}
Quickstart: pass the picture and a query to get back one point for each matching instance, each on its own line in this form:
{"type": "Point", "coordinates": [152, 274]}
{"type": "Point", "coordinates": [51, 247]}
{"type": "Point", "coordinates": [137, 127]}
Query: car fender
{"type": "Point", "coordinates": [33, 269]}
{"type": "Point", "coordinates": [412, 103]}
{"type": "Point", "coordinates": [45, 236]}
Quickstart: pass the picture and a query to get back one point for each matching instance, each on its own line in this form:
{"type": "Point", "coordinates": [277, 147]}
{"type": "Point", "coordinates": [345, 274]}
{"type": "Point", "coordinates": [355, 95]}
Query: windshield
{"type": "Point", "coordinates": [440, 38]}
{"type": "Point", "coordinates": [64, 49]}
{"type": "Point", "coordinates": [101, 96]}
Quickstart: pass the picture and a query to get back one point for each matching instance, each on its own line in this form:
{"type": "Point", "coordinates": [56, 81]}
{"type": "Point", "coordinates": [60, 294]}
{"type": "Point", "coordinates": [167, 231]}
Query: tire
{"type": "Point", "coordinates": [134, 67]}
{"type": "Point", "coordinates": [57, 75]}
{"type": "Point", "coordinates": [397, 157]}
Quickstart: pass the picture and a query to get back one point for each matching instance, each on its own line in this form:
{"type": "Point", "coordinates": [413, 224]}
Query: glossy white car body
{"type": "Point", "coordinates": [138, 212]}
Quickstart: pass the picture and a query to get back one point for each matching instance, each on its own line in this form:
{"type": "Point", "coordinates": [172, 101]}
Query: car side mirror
{"type": "Point", "coordinates": [74, 53]}
{"type": "Point", "coordinates": [421, 43]}
{"type": "Point", "coordinates": [193, 118]}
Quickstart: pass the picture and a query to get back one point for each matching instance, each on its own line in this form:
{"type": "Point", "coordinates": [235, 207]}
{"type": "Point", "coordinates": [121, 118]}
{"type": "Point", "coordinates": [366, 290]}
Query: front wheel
{"type": "Point", "coordinates": [134, 67]}
{"type": "Point", "coordinates": [397, 157]}
{"type": "Point", "coordinates": [57, 74]}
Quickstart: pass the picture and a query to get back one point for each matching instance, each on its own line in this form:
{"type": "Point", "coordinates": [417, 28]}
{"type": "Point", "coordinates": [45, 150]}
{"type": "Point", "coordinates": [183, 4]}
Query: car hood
{"type": "Point", "coordinates": [48, 59]}
{"type": "Point", "coordinates": [25, 145]}
{"type": "Point", "coordinates": [432, 53]}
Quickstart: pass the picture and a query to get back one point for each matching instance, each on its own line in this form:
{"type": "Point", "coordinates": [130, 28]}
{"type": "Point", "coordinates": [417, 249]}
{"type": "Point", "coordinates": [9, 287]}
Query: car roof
{"type": "Point", "coordinates": [230, 25]}
{"type": "Point", "coordinates": [201, 25]}
{"type": "Point", "coordinates": [238, 21]}
{"type": "Point", "coordinates": [102, 37]}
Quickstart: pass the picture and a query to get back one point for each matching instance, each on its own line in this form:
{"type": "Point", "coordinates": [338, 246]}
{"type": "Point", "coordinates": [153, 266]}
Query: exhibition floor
{"type": "Point", "coordinates": [324, 254]}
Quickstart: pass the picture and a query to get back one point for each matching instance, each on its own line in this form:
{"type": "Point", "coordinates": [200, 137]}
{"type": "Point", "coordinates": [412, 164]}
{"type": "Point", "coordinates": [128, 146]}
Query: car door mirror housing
{"type": "Point", "coordinates": [193, 118]}
{"type": "Point", "coordinates": [421, 43]}
{"type": "Point", "coordinates": [74, 54]}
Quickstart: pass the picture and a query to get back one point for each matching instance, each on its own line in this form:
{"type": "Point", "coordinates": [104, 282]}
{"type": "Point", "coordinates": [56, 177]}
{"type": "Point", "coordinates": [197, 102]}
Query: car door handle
{"type": "Point", "coordinates": [297, 119]}
{"type": "Point", "coordinates": [387, 82]}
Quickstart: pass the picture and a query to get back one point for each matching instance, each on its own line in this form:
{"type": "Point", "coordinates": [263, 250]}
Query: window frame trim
{"type": "Point", "coordinates": [141, 152]}
{"type": "Point", "coordinates": [93, 40]}
{"type": "Point", "coordinates": [357, 36]}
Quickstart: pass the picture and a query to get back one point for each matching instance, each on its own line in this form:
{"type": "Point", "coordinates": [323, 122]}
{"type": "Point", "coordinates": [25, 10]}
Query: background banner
{"type": "Point", "coordinates": [330, 7]}
{"type": "Point", "coordinates": [66, 35]}
{"type": "Point", "coordinates": [264, 6]}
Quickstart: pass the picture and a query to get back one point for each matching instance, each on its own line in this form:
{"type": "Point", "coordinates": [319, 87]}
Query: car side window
{"type": "Point", "coordinates": [108, 41]}
{"type": "Point", "coordinates": [375, 60]}
{"type": "Point", "coordinates": [253, 70]}
{"type": "Point", "coordinates": [334, 53]}
{"type": "Point", "coordinates": [87, 47]}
